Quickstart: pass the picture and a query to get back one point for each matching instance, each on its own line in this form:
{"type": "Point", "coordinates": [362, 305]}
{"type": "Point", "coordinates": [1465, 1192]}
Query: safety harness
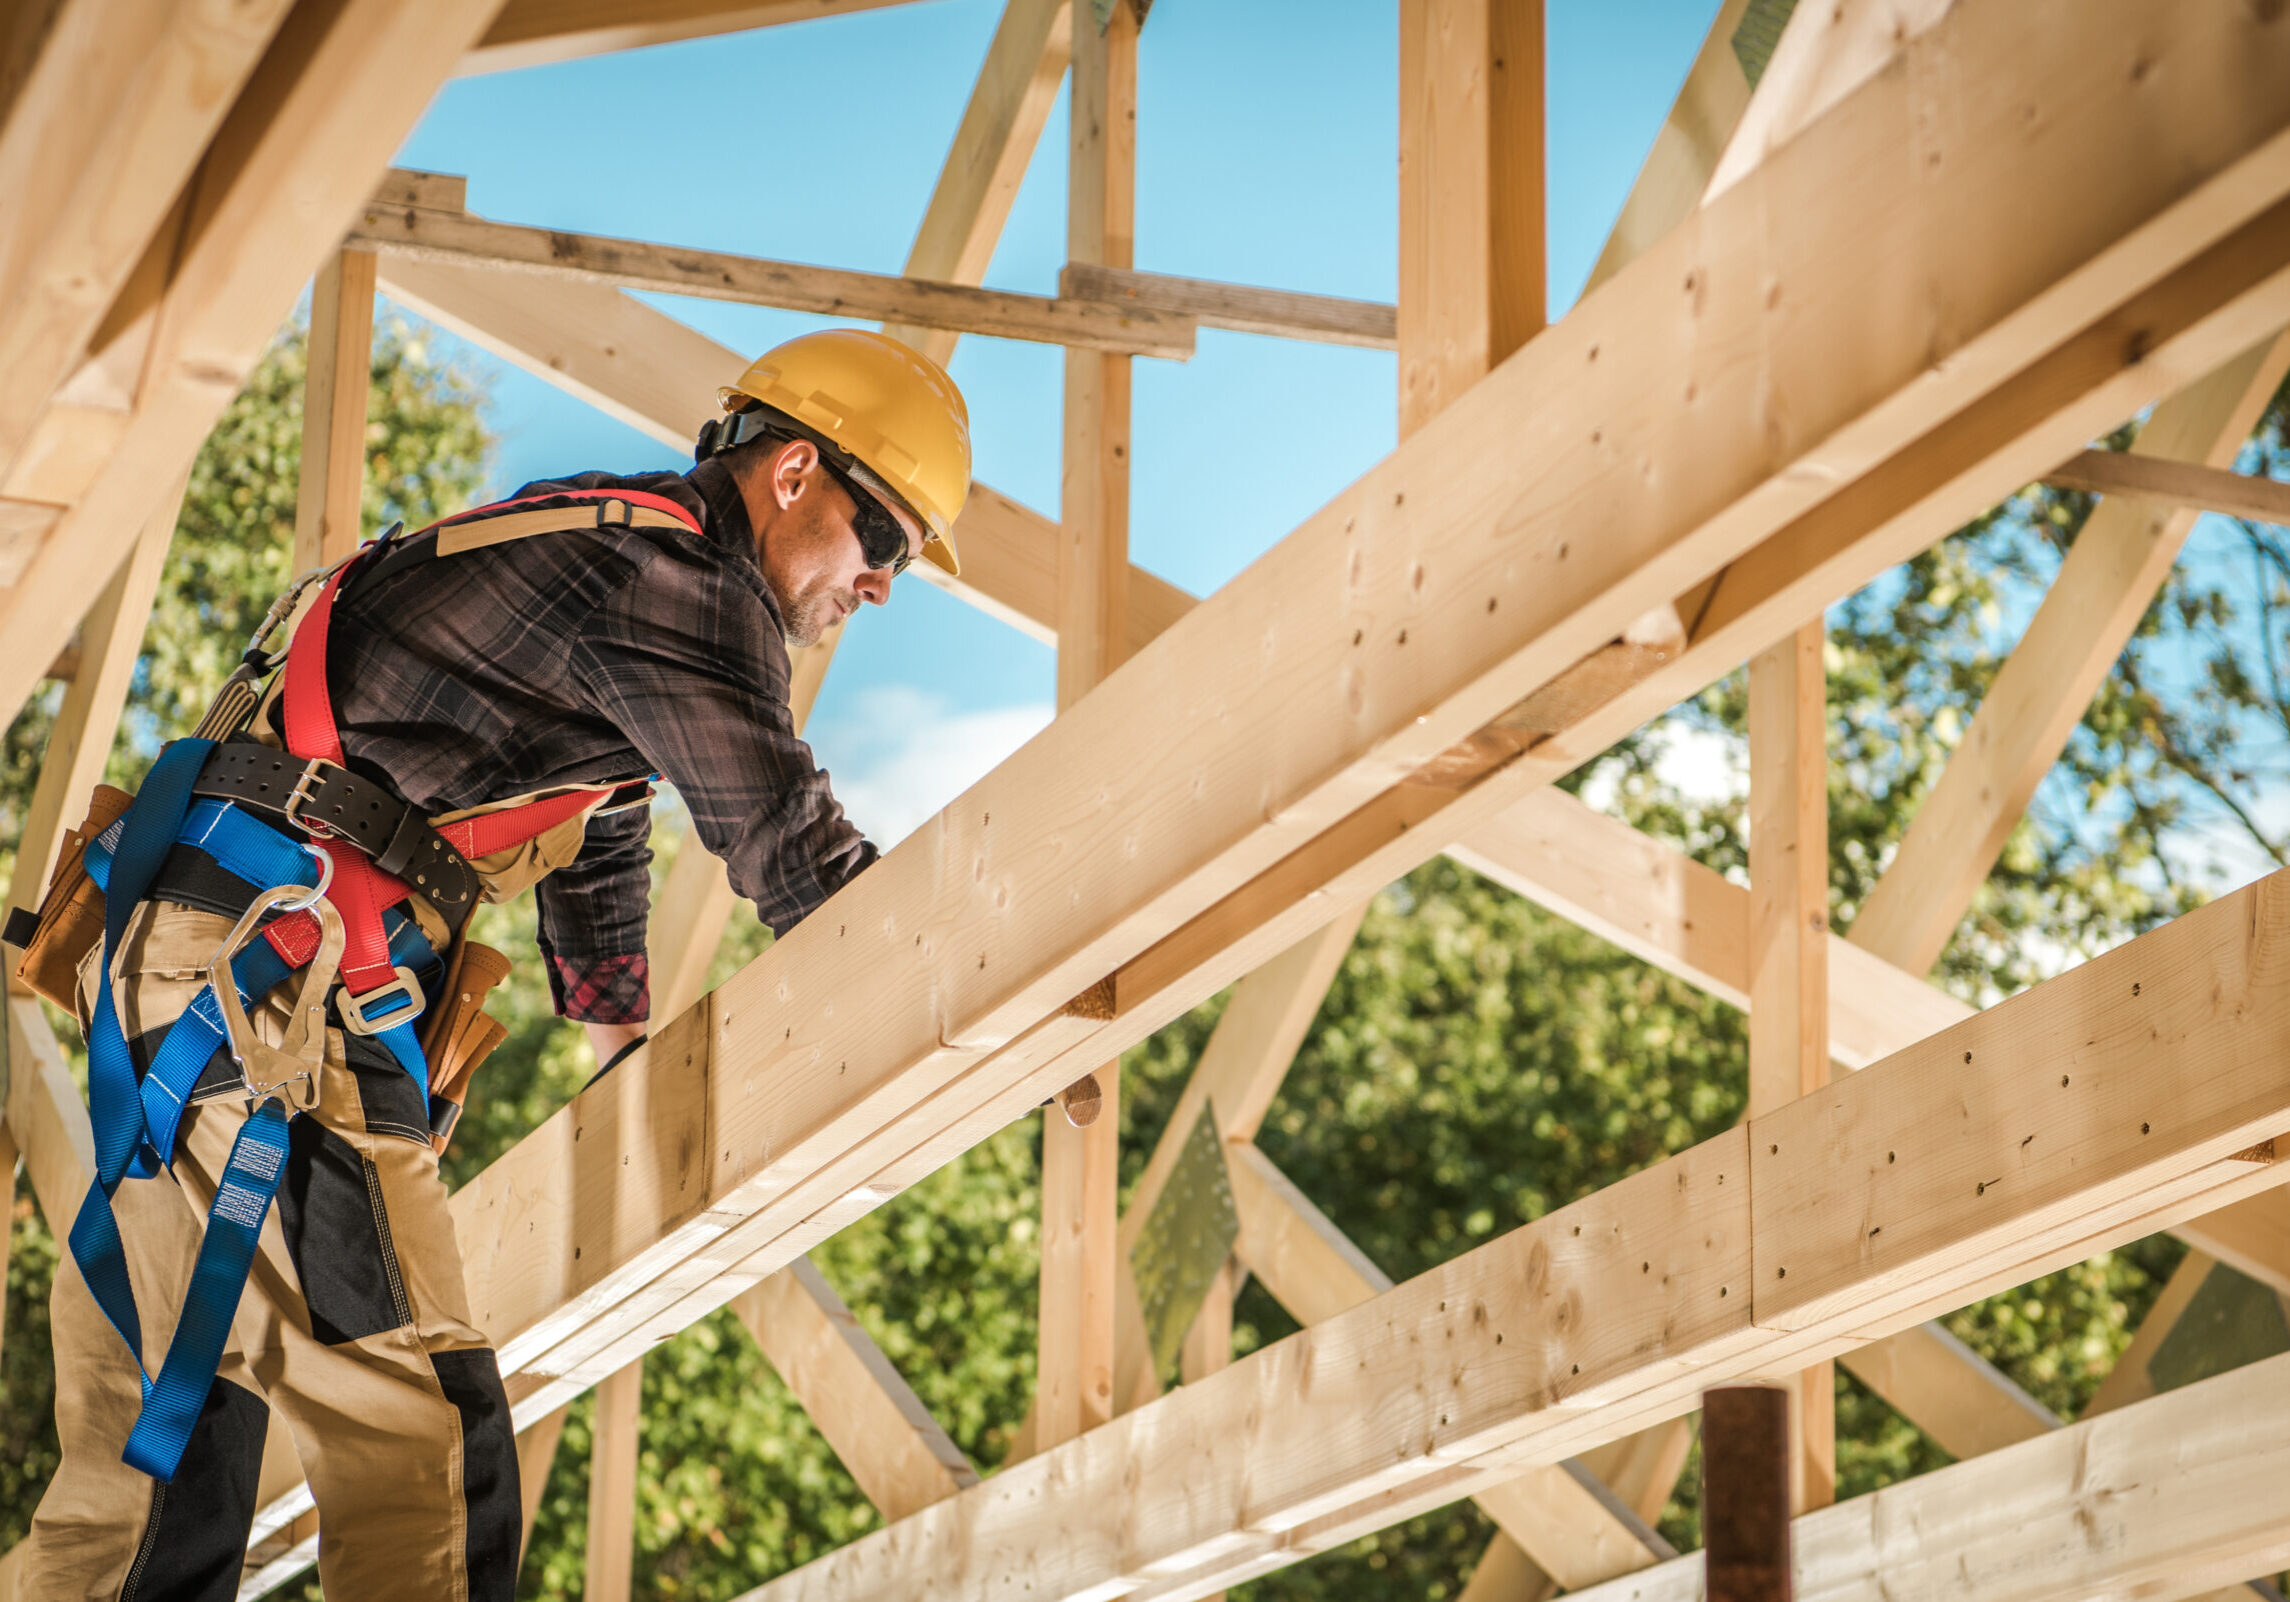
{"type": "Point", "coordinates": [329, 861]}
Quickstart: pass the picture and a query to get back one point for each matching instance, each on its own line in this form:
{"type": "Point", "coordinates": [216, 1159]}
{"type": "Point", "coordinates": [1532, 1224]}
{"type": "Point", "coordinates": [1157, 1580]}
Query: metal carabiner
{"type": "Point", "coordinates": [288, 1071]}
{"type": "Point", "coordinates": [325, 861]}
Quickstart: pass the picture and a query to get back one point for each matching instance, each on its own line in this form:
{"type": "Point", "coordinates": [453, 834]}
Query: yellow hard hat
{"type": "Point", "coordinates": [883, 403]}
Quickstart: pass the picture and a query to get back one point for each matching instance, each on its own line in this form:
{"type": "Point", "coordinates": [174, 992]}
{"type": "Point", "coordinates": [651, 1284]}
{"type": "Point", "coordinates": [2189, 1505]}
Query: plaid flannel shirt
{"type": "Point", "coordinates": [600, 654]}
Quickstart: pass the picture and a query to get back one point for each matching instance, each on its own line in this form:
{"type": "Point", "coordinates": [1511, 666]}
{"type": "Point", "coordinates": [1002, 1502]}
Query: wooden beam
{"type": "Point", "coordinates": [2166, 1499]}
{"type": "Point", "coordinates": [1661, 905]}
{"type": "Point", "coordinates": [536, 1457]}
{"type": "Point", "coordinates": [880, 1429]}
{"type": "Point", "coordinates": [1788, 959]}
{"type": "Point", "coordinates": [1080, 1282]}
{"type": "Point", "coordinates": [2118, 562]}
{"type": "Point", "coordinates": [1571, 1526]}
{"type": "Point", "coordinates": [532, 33]}
{"type": "Point", "coordinates": [329, 519]}
{"type": "Point", "coordinates": [612, 1485]}
{"type": "Point", "coordinates": [1263, 745]}
{"type": "Point", "coordinates": [1471, 277]}
{"type": "Point", "coordinates": [659, 375]}
{"type": "Point", "coordinates": [1281, 313]}
{"type": "Point", "coordinates": [1918, 1185]}
{"type": "Point", "coordinates": [2153, 478]}
{"type": "Point", "coordinates": [1824, 54]}
{"type": "Point", "coordinates": [301, 148]}
{"type": "Point", "coordinates": [118, 106]}
{"type": "Point", "coordinates": [2252, 1239]}
{"type": "Point", "coordinates": [463, 240]}
{"type": "Point", "coordinates": [46, 1116]}
{"type": "Point", "coordinates": [79, 742]}
{"type": "Point", "coordinates": [1001, 124]}
{"type": "Point", "coordinates": [1686, 149]}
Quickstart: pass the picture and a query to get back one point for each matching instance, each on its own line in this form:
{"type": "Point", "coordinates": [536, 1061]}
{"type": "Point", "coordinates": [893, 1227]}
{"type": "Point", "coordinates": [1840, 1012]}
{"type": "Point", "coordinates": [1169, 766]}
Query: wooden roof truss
{"type": "Point", "coordinates": [1884, 266]}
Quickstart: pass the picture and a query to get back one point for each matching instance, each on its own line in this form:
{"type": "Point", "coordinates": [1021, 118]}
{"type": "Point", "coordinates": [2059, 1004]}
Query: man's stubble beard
{"type": "Point", "coordinates": [809, 615]}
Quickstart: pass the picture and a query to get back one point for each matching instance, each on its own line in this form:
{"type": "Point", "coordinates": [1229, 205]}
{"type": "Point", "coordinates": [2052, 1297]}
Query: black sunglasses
{"type": "Point", "coordinates": [882, 538]}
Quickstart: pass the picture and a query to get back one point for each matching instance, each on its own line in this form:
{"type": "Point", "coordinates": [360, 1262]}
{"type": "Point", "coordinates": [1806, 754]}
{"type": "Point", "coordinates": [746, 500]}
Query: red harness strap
{"type": "Point", "coordinates": [360, 891]}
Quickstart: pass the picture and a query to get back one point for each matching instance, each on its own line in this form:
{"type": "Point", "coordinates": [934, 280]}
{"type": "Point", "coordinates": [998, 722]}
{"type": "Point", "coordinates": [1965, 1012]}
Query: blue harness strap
{"type": "Point", "coordinates": [135, 1124]}
{"type": "Point", "coordinates": [243, 1194]}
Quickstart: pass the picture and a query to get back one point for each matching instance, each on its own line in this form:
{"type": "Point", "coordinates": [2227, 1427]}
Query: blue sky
{"type": "Point", "coordinates": [1267, 154]}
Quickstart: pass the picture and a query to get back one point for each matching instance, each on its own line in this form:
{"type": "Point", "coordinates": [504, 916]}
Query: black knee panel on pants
{"type": "Point", "coordinates": [496, 1518]}
{"type": "Point", "coordinates": [338, 1234]}
{"type": "Point", "coordinates": [195, 1546]}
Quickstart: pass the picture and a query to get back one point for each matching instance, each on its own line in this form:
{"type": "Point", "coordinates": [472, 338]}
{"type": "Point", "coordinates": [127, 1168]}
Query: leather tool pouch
{"type": "Point", "coordinates": [70, 921]}
{"type": "Point", "coordinates": [460, 1036]}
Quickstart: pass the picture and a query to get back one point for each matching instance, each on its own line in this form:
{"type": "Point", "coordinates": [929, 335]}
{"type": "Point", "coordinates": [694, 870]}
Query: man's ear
{"type": "Point", "coordinates": [791, 470]}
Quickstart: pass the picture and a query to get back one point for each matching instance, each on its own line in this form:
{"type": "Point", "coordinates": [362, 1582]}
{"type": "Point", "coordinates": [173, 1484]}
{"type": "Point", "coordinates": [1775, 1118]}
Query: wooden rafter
{"type": "Point", "coordinates": [1915, 1186]}
{"type": "Point", "coordinates": [96, 147]}
{"type": "Point", "coordinates": [302, 146]}
{"type": "Point", "coordinates": [900, 1456]}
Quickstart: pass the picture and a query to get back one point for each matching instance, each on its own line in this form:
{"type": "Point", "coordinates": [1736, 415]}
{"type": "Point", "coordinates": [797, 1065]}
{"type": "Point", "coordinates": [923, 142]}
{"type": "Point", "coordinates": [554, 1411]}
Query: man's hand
{"type": "Point", "coordinates": [608, 1040]}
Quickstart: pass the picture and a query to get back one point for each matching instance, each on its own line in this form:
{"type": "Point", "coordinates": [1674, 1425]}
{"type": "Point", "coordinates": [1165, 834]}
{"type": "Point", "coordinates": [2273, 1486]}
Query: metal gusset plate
{"type": "Point", "coordinates": [2232, 1320]}
{"type": "Point", "coordinates": [1186, 1239]}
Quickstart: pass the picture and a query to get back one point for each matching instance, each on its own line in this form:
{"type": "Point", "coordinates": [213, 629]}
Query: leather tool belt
{"type": "Point", "coordinates": [326, 799]}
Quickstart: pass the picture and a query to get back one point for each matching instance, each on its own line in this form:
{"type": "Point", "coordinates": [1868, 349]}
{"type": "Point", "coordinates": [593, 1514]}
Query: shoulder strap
{"type": "Point", "coordinates": [504, 521]}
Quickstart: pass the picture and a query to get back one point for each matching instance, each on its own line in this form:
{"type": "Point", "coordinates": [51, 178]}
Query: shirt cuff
{"type": "Point", "coordinates": [602, 989]}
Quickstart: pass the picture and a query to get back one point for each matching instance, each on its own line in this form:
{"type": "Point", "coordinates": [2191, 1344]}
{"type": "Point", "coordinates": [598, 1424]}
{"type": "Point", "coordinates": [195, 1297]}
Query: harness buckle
{"type": "Point", "coordinates": [305, 792]}
{"type": "Point", "coordinates": [357, 1011]}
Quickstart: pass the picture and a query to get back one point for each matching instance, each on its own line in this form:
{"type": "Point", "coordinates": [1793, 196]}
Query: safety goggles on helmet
{"type": "Point", "coordinates": [882, 538]}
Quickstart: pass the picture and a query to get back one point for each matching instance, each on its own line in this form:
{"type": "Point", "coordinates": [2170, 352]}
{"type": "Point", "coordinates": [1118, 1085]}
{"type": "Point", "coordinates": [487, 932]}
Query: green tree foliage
{"type": "Point", "coordinates": [1477, 1062]}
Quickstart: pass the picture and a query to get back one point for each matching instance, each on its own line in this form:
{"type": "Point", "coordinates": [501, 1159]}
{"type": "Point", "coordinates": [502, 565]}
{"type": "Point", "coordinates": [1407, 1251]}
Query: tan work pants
{"type": "Point", "coordinates": [354, 1326]}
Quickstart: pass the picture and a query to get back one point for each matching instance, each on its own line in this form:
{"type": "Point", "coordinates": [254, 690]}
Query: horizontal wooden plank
{"type": "Point", "coordinates": [532, 33]}
{"type": "Point", "coordinates": [2158, 478]}
{"type": "Point", "coordinates": [1283, 313]}
{"type": "Point", "coordinates": [2171, 1498]}
{"type": "Point", "coordinates": [751, 280]}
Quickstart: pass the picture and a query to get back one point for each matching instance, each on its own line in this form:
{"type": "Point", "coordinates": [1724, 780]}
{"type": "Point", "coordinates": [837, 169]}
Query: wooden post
{"type": "Point", "coordinates": [328, 521]}
{"type": "Point", "coordinates": [612, 1486]}
{"type": "Point", "coordinates": [1747, 1450]}
{"type": "Point", "coordinates": [1080, 1201]}
{"type": "Point", "coordinates": [1471, 261]}
{"type": "Point", "coordinates": [1789, 950]}
{"type": "Point", "coordinates": [536, 1456]}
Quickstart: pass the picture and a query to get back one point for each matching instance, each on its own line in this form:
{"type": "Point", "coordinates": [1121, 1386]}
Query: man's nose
{"type": "Point", "coordinates": [874, 585]}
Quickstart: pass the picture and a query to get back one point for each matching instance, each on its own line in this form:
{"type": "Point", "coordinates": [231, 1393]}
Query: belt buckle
{"type": "Point", "coordinates": [354, 1010]}
{"type": "Point", "coordinates": [304, 792]}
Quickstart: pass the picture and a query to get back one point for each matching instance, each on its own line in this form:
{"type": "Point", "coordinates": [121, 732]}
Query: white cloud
{"type": "Point", "coordinates": [1703, 765]}
{"type": "Point", "coordinates": [905, 753]}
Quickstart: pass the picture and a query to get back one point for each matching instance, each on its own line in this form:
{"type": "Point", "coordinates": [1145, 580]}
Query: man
{"type": "Point", "coordinates": [567, 644]}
